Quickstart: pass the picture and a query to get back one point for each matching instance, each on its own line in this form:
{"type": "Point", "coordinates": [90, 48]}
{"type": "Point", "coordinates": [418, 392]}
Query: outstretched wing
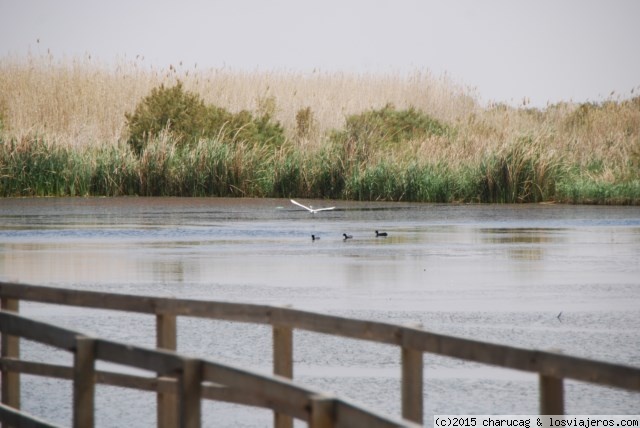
{"type": "Point", "coordinates": [300, 205]}
{"type": "Point", "coordinates": [325, 209]}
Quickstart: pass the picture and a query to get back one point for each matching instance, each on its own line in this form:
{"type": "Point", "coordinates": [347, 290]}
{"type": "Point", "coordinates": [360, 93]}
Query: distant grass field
{"type": "Point", "coordinates": [63, 132]}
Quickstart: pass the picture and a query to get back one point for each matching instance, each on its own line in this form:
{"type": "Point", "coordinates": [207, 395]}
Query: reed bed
{"type": "Point", "coordinates": [63, 132]}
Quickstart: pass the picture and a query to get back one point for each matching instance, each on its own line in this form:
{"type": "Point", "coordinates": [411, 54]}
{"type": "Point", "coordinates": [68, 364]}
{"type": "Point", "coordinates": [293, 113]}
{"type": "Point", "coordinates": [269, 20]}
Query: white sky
{"type": "Point", "coordinates": [546, 50]}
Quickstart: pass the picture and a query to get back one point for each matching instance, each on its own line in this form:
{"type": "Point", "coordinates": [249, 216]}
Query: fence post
{"type": "Point", "coordinates": [190, 394]}
{"type": "Point", "coordinates": [322, 412]}
{"type": "Point", "coordinates": [412, 367]}
{"type": "Point", "coordinates": [10, 349]}
{"type": "Point", "coordinates": [166, 338]}
{"type": "Point", "coordinates": [551, 395]}
{"type": "Point", "coordinates": [282, 366]}
{"type": "Point", "coordinates": [84, 382]}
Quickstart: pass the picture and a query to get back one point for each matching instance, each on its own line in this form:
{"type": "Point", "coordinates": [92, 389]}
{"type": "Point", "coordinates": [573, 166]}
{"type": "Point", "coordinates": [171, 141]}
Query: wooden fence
{"type": "Point", "coordinates": [552, 368]}
{"type": "Point", "coordinates": [185, 378]}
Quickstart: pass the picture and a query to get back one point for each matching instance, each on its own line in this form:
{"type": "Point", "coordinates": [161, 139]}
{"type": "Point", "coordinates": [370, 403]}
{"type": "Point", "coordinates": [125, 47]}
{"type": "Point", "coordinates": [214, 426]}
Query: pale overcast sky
{"type": "Point", "coordinates": [546, 50]}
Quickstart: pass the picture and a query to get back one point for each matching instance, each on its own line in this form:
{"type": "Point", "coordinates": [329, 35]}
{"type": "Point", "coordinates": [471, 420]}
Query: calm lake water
{"type": "Point", "coordinates": [501, 273]}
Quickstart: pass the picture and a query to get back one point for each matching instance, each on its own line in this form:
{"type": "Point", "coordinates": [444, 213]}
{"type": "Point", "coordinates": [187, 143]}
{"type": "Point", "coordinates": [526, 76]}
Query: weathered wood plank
{"type": "Point", "coordinates": [90, 299]}
{"type": "Point", "coordinates": [547, 363]}
{"type": "Point", "coordinates": [163, 384]}
{"type": "Point", "coordinates": [37, 369]}
{"type": "Point", "coordinates": [160, 361]}
{"type": "Point", "coordinates": [339, 326]}
{"type": "Point", "coordinates": [231, 395]}
{"type": "Point", "coordinates": [551, 396]}
{"type": "Point", "coordinates": [84, 383]}
{"type": "Point", "coordinates": [166, 338]}
{"type": "Point", "coordinates": [37, 331]}
{"type": "Point", "coordinates": [281, 393]}
{"type": "Point", "coordinates": [10, 389]}
{"type": "Point", "coordinates": [282, 366]}
{"type": "Point", "coordinates": [102, 377]}
{"type": "Point", "coordinates": [226, 311]}
{"type": "Point", "coordinates": [276, 392]}
{"type": "Point", "coordinates": [348, 414]}
{"type": "Point", "coordinates": [412, 388]}
{"type": "Point", "coordinates": [190, 394]}
{"type": "Point", "coordinates": [283, 351]}
{"type": "Point", "coordinates": [322, 412]}
{"type": "Point", "coordinates": [166, 331]}
{"type": "Point", "coordinates": [15, 418]}
{"type": "Point", "coordinates": [499, 355]}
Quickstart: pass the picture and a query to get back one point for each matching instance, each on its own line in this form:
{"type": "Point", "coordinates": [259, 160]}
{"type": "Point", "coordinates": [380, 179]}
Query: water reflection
{"type": "Point", "coordinates": [518, 235]}
{"type": "Point", "coordinates": [266, 242]}
{"type": "Point", "coordinates": [522, 243]}
{"type": "Point", "coordinates": [498, 273]}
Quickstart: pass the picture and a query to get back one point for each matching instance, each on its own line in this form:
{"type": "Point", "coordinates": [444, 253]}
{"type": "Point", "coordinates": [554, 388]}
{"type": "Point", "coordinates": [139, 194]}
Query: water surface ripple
{"type": "Point", "coordinates": [501, 273]}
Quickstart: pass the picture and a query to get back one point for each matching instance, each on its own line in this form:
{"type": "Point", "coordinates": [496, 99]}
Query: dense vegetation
{"type": "Point", "coordinates": [187, 119]}
{"type": "Point", "coordinates": [414, 139]}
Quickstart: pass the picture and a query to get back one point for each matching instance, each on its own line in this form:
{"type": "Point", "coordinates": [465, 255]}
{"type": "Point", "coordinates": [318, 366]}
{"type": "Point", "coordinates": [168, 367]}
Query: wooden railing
{"type": "Point", "coordinates": [186, 378]}
{"type": "Point", "coordinates": [552, 368]}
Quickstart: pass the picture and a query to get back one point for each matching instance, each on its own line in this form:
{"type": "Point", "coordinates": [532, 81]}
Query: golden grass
{"type": "Point", "coordinates": [81, 101]}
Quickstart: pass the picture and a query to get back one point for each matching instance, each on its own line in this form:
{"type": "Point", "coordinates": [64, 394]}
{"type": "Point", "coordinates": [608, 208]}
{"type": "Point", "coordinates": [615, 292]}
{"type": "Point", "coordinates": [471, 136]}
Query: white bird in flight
{"type": "Point", "coordinates": [311, 209]}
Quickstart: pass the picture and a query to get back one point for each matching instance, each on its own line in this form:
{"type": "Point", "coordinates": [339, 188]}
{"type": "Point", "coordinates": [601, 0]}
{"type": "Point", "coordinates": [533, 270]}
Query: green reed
{"type": "Point", "coordinates": [520, 171]}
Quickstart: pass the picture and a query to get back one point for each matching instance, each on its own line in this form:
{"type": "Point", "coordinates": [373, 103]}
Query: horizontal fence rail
{"type": "Point", "coordinates": [551, 367]}
{"type": "Point", "coordinates": [16, 418]}
{"type": "Point", "coordinates": [188, 375]}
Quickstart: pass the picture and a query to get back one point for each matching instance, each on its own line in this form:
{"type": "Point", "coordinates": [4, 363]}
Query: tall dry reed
{"type": "Point", "coordinates": [73, 112]}
{"type": "Point", "coordinates": [82, 101]}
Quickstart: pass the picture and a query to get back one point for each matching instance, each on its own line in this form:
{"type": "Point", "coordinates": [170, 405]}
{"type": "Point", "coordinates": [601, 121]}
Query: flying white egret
{"type": "Point", "coordinates": [311, 209]}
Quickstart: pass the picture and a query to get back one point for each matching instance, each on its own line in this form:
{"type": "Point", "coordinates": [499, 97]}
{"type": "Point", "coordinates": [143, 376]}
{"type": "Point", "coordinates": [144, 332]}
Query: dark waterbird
{"type": "Point", "coordinates": [378, 234]}
{"type": "Point", "coordinates": [314, 237]}
{"type": "Point", "coordinates": [347, 236]}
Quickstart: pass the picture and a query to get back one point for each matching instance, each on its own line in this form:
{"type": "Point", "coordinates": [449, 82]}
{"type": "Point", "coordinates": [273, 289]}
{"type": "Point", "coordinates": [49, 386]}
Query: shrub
{"type": "Point", "coordinates": [184, 114]}
{"type": "Point", "coordinates": [187, 119]}
{"type": "Point", "coordinates": [386, 126]}
{"type": "Point", "coordinates": [265, 131]}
